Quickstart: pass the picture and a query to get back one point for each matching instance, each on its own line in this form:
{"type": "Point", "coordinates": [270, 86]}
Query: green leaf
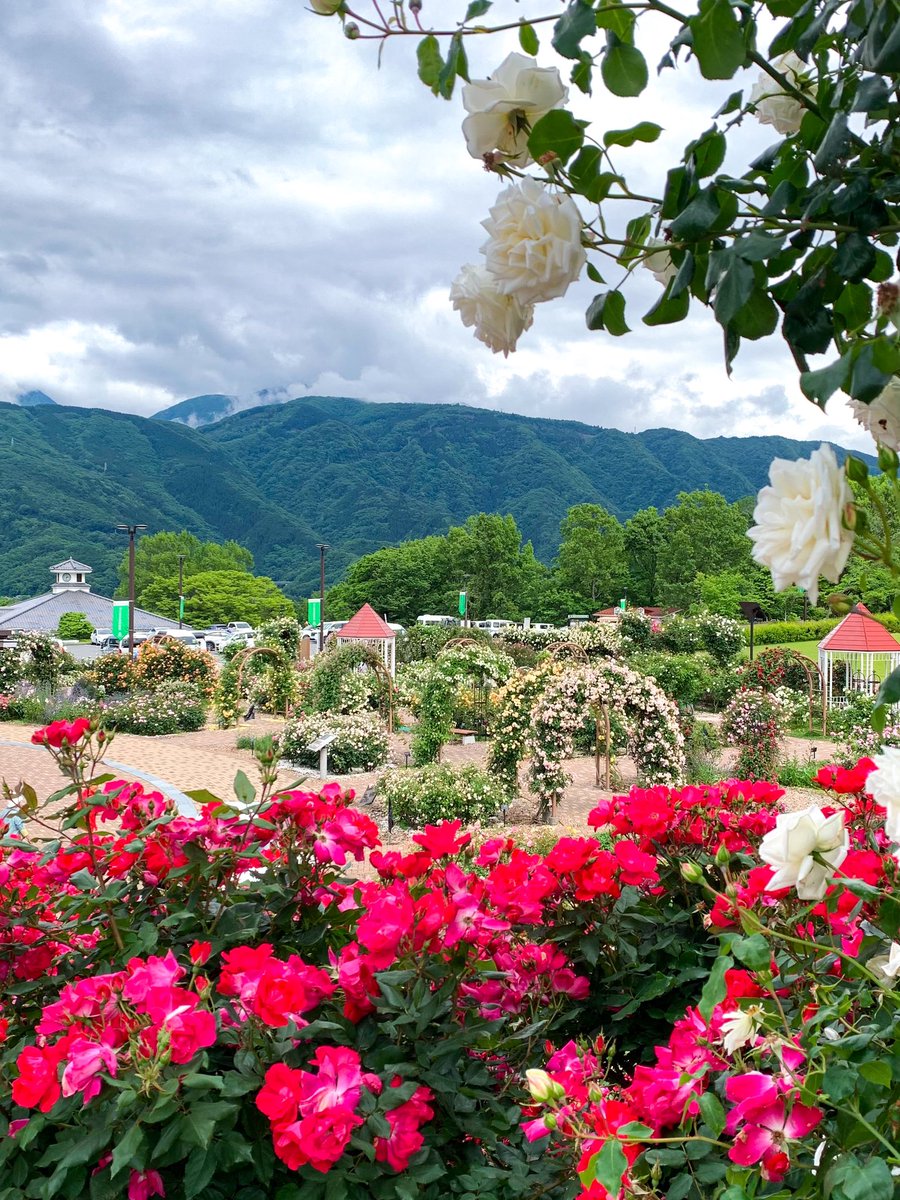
{"type": "Point", "coordinates": [715, 990]}
{"type": "Point", "coordinates": [855, 257]}
{"type": "Point", "coordinates": [576, 23]}
{"type": "Point", "coordinates": [456, 64]}
{"type": "Point", "coordinates": [699, 216]}
{"type": "Point", "coordinates": [835, 144]}
{"type": "Point", "coordinates": [754, 952]}
{"type": "Point", "coordinates": [528, 39]}
{"type": "Point", "coordinates": [199, 1123]}
{"type": "Point", "coordinates": [820, 385]}
{"type": "Point", "coordinates": [607, 311]}
{"type": "Point", "coordinates": [708, 153]}
{"type": "Point", "coordinates": [198, 1171]}
{"type": "Point", "coordinates": [877, 1071]}
{"type": "Point", "coordinates": [127, 1150]}
{"type": "Point", "coordinates": [624, 68]}
{"type": "Point", "coordinates": [733, 290]}
{"type": "Point", "coordinates": [718, 41]}
{"type": "Point", "coordinates": [871, 95]}
{"type": "Point", "coordinates": [850, 1179]}
{"type": "Point", "coordinates": [868, 376]}
{"type": "Point", "coordinates": [712, 1112]}
{"type": "Point", "coordinates": [758, 318]}
{"type": "Point", "coordinates": [428, 53]}
{"type": "Point", "coordinates": [636, 232]}
{"type": "Point", "coordinates": [556, 131]}
{"type": "Point", "coordinates": [646, 131]}
{"type": "Point", "coordinates": [610, 1165]}
{"type": "Point", "coordinates": [476, 9]}
{"type": "Point", "coordinates": [669, 309]}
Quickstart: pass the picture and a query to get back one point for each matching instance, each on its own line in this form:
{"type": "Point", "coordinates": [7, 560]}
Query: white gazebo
{"type": "Point", "coordinates": [864, 645]}
{"type": "Point", "coordinates": [367, 627]}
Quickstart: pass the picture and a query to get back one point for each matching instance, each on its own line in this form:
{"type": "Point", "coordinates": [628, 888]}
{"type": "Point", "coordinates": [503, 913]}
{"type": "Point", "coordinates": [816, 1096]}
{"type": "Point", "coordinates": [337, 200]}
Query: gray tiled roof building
{"type": "Point", "coordinates": [71, 592]}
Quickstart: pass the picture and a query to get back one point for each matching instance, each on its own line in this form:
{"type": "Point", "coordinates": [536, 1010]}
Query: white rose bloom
{"type": "Point", "coordinates": [779, 108]}
{"type": "Point", "coordinates": [882, 417]}
{"type": "Point", "coordinates": [798, 533]}
{"type": "Point", "coordinates": [883, 785]}
{"type": "Point", "coordinates": [790, 847]}
{"type": "Point", "coordinates": [659, 261]}
{"type": "Point", "coordinates": [503, 109]}
{"type": "Point", "coordinates": [886, 965]}
{"type": "Point", "coordinates": [534, 251]}
{"type": "Point", "coordinates": [499, 320]}
{"type": "Point", "coordinates": [739, 1027]}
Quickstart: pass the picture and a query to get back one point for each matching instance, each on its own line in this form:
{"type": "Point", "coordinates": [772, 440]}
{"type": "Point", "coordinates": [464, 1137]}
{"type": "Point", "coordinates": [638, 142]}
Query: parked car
{"type": "Point", "coordinates": [240, 629]}
{"type": "Point", "coordinates": [109, 644]}
{"type": "Point", "coordinates": [215, 637]}
{"type": "Point", "coordinates": [431, 619]}
{"type": "Point", "coordinates": [186, 636]}
{"type": "Point", "coordinates": [98, 635]}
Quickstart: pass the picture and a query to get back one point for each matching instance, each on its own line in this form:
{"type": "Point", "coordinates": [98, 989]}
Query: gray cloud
{"type": "Point", "coordinates": [223, 198]}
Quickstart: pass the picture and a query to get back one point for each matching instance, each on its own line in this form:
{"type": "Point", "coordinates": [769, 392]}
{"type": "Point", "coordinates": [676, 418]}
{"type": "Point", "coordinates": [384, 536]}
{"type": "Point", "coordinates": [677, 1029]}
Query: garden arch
{"type": "Point", "coordinates": [451, 668]}
{"type": "Point", "coordinates": [543, 709]}
{"type": "Point", "coordinates": [334, 664]}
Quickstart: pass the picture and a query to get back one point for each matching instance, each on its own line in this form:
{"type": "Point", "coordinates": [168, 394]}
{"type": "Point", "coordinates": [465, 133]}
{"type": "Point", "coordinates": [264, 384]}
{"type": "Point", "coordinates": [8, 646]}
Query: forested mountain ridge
{"type": "Point", "coordinates": [356, 475]}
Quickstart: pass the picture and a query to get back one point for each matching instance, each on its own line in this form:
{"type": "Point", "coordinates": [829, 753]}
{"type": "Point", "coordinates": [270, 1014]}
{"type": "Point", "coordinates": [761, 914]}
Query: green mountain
{"type": "Point", "coordinates": [355, 475]}
{"type": "Point", "coordinates": [33, 399]}
{"type": "Point", "coordinates": [198, 410]}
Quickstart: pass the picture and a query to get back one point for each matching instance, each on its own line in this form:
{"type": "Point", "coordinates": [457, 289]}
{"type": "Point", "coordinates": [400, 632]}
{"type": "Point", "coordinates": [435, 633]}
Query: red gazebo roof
{"type": "Point", "coordinates": [861, 633]}
{"type": "Point", "coordinates": [367, 625]}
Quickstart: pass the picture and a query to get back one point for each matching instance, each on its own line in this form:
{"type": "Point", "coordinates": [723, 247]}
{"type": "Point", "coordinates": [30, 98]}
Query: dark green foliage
{"type": "Point", "coordinates": [74, 625]}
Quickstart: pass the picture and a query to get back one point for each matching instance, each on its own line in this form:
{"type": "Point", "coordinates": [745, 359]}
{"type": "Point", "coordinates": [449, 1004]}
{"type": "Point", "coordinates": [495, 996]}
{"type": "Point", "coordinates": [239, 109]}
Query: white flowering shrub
{"type": "Point", "coordinates": [411, 680]}
{"type": "Point", "coordinates": [791, 706]}
{"type": "Point", "coordinates": [174, 707]}
{"type": "Point", "coordinates": [361, 743]}
{"type": "Point", "coordinates": [436, 792]}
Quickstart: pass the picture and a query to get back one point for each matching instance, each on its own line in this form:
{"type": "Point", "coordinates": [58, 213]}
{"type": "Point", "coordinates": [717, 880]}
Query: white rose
{"type": "Point", "coordinates": [791, 846]}
{"type": "Point", "coordinates": [779, 108]}
{"type": "Point", "coordinates": [798, 533]}
{"type": "Point", "coordinates": [739, 1027]}
{"type": "Point", "coordinates": [659, 262]}
{"type": "Point", "coordinates": [499, 320]}
{"type": "Point", "coordinates": [534, 251]}
{"type": "Point", "coordinates": [883, 785]}
{"type": "Point", "coordinates": [504, 108]}
{"type": "Point", "coordinates": [882, 416]}
{"type": "Point", "coordinates": [886, 965]}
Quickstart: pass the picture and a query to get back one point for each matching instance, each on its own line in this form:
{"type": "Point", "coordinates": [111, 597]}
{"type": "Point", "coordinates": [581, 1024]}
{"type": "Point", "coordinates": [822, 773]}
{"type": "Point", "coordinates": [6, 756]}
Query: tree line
{"type": "Point", "coordinates": [693, 555]}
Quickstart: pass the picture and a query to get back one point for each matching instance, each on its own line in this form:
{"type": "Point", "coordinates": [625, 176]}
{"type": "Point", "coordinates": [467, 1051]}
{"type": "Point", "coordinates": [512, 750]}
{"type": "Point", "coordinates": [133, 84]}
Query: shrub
{"type": "Point", "coordinates": [719, 636]}
{"type": "Point", "coordinates": [684, 677]}
{"type": "Point", "coordinates": [427, 641]}
{"type": "Point", "coordinates": [776, 667]}
{"type": "Point", "coordinates": [163, 662]}
{"type": "Point", "coordinates": [635, 629]}
{"type": "Point", "coordinates": [173, 707]}
{"type": "Point", "coordinates": [282, 633]}
{"type": "Point", "coordinates": [794, 773]}
{"type": "Point", "coordinates": [434, 793]}
{"type": "Point", "coordinates": [702, 746]}
{"type": "Point", "coordinates": [74, 625]}
{"type": "Point", "coordinates": [45, 663]}
{"type": "Point", "coordinates": [753, 722]}
{"type": "Point", "coordinates": [112, 674]}
{"type": "Point", "coordinates": [12, 670]}
{"type": "Point", "coordinates": [361, 742]}
{"type": "Point", "coordinates": [770, 633]}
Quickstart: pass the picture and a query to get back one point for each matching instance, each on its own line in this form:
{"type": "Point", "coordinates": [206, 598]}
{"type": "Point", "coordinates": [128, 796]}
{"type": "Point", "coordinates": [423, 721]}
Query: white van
{"type": "Point", "coordinates": [493, 626]}
{"type": "Point", "coordinates": [430, 619]}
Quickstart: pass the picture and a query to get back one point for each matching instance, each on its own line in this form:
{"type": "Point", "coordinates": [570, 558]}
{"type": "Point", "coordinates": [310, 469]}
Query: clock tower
{"type": "Point", "coordinates": [70, 576]}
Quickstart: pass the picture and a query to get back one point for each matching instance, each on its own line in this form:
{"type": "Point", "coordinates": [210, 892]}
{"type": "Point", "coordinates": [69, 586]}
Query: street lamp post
{"type": "Point", "coordinates": [180, 588]}
{"type": "Point", "coordinates": [753, 612]}
{"type": "Point", "coordinates": [321, 547]}
{"type": "Point", "coordinates": [131, 530]}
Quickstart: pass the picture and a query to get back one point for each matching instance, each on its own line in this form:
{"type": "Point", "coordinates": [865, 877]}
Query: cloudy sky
{"type": "Point", "coordinates": [220, 197]}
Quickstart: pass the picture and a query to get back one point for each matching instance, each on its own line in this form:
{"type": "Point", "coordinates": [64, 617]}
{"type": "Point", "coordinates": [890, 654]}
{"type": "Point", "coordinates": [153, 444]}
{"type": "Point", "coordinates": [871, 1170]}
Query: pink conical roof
{"type": "Point", "coordinates": [860, 632]}
{"type": "Point", "coordinates": [368, 624]}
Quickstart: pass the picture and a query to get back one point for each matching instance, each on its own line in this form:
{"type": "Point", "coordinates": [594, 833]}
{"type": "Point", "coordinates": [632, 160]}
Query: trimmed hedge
{"type": "Point", "coordinates": [772, 633]}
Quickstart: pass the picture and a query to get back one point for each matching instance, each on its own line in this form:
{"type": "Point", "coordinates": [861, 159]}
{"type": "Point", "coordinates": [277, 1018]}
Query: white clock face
{"type": "Point", "coordinates": [66, 576]}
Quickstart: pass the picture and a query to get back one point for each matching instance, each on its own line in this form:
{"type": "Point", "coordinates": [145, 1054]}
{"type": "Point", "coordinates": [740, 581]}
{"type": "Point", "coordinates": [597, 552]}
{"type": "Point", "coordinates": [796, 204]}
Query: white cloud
{"type": "Point", "coordinates": [220, 198]}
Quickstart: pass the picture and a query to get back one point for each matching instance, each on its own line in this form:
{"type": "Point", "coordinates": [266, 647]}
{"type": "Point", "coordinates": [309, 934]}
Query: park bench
{"type": "Point", "coordinates": [466, 736]}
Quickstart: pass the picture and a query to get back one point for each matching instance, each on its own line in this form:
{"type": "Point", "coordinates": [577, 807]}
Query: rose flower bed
{"type": "Point", "coordinates": [213, 1007]}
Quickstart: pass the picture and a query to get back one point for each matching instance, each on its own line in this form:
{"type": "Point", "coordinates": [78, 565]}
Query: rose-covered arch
{"type": "Point", "coordinates": [541, 710]}
{"type": "Point", "coordinates": [459, 662]}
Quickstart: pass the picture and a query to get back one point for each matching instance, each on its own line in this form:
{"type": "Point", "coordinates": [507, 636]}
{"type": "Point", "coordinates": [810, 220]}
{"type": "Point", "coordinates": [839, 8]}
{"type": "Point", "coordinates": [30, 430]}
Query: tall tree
{"type": "Point", "coordinates": [402, 582]}
{"type": "Point", "coordinates": [486, 555]}
{"type": "Point", "coordinates": [702, 532]}
{"type": "Point", "coordinates": [643, 538]}
{"type": "Point", "coordinates": [156, 558]}
{"type": "Point", "coordinates": [592, 561]}
{"type": "Point", "coordinates": [219, 596]}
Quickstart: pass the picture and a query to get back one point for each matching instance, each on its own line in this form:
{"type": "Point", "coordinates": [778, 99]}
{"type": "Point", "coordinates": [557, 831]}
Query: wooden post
{"type": "Point", "coordinates": [608, 765]}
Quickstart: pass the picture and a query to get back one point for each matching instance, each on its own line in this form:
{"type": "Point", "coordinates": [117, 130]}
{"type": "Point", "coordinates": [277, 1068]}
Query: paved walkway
{"type": "Point", "coordinates": [180, 763]}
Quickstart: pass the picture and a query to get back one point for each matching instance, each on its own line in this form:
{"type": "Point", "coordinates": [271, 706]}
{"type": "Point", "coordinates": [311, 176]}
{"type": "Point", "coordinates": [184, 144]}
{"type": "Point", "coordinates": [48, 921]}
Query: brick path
{"type": "Point", "coordinates": [209, 760]}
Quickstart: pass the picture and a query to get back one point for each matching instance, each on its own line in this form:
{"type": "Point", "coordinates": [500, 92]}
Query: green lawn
{"type": "Point", "coordinates": [807, 649]}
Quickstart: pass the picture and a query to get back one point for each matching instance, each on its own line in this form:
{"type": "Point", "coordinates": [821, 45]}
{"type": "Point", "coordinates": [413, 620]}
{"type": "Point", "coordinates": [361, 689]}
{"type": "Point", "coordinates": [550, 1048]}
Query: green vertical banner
{"type": "Point", "coordinates": [463, 602]}
{"type": "Point", "coordinates": [313, 610]}
{"type": "Point", "coordinates": [120, 619]}
{"type": "Point", "coordinates": [181, 608]}
{"type": "Point", "coordinates": [622, 604]}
